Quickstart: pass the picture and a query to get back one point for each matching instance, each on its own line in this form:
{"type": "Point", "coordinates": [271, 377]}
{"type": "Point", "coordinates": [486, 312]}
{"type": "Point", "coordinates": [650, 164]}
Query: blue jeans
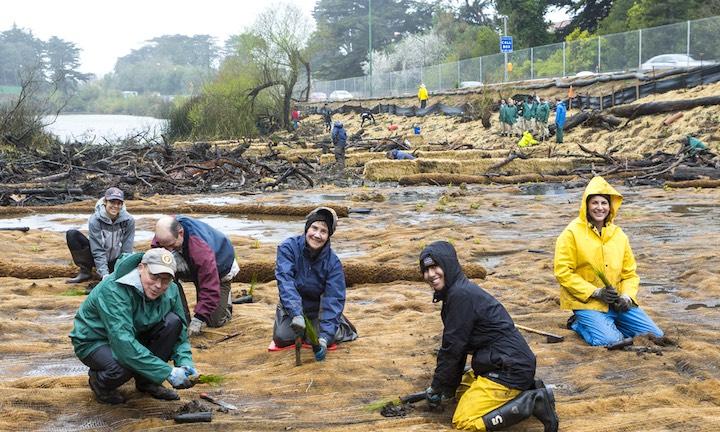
{"type": "Point", "coordinates": [605, 328]}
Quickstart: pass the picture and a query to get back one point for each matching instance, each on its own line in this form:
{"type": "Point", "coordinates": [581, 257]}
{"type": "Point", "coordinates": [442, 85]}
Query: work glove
{"type": "Point", "coordinates": [195, 327]}
{"type": "Point", "coordinates": [178, 378]}
{"type": "Point", "coordinates": [623, 303]}
{"type": "Point", "coordinates": [434, 399]}
{"type": "Point", "coordinates": [191, 373]}
{"type": "Point", "coordinates": [320, 350]}
{"type": "Point", "coordinates": [298, 325]}
{"type": "Point", "coordinates": [607, 294]}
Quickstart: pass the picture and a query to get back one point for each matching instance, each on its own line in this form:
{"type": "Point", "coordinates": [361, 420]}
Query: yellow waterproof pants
{"type": "Point", "coordinates": [477, 397]}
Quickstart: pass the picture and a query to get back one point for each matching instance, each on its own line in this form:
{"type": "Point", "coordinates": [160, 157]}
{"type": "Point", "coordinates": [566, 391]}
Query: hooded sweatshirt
{"type": "Point", "coordinates": [116, 311]}
{"type": "Point", "coordinates": [109, 239]}
{"type": "Point", "coordinates": [476, 323]}
{"type": "Point", "coordinates": [581, 248]}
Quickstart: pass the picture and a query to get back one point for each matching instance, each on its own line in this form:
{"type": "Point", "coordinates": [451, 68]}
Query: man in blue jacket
{"type": "Point", "coordinates": [205, 256]}
{"type": "Point", "coordinates": [399, 155]}
{"type": "Point", "coordinates": [311, 282]}
{"type": "Point", "coordinates": [500, 389]}
{"type": "Point", "coordinates": [560, 113]}
{"type": "Point", "coordinates": [130, 325]}
{"type": "Point", "coordinates": [339, 140]}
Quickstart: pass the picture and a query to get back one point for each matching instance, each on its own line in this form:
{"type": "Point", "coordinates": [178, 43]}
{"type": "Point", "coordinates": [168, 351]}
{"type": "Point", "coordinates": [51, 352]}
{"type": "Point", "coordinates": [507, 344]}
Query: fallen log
{"type": "Point", "coordinates": [446, 179]}
{"type": "Point", "coordinates": [637, 110]}
{"type": "Point", "coordinates": [261, 271]}
{"type": "Point", "coordinates": [256, 209]}
{"type": "Point", "coordinates": [693, 184]}
{"type": "Point", "coordinates": [683, 173]}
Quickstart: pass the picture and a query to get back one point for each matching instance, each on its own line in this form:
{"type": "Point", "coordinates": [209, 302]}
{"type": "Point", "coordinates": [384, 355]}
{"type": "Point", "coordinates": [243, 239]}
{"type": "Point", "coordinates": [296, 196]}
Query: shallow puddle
{"type": "Point", "coordinates": [263, 229]}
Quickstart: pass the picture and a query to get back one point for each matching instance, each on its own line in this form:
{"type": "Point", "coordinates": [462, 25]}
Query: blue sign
{"type": "Point", "coordinates": [506, 44]}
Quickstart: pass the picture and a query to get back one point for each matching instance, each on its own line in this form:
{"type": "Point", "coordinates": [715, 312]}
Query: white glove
{"type": "Point", "coordinates": [195, 327]}
{"type": "Point", "coordinates": [178, 378]}
{"type": "Point", "coordinates": [191, 373]}
{"type": "Point", "coordinates": [298, 324]}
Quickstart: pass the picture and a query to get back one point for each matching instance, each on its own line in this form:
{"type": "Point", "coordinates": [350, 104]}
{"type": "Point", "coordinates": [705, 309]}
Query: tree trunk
{"type": "Point", "coordinates": [637, 110]}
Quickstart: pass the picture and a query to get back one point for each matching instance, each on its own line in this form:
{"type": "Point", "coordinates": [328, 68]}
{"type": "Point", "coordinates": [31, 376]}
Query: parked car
{"type": "Point", "coordinates": [670, 61]}
{"type": "Point", "coordinates": [317, 97]}
{"type": "Point", "coordinates": [467, 84]}
{"type": "Point", "coordinates": [339, 95]}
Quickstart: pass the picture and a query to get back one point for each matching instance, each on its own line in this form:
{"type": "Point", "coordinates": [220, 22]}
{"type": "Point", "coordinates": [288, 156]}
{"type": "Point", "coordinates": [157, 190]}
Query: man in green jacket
{"type": "Point", "coordinates": [130, 325]}
{"type": "Point", "coordinates": [542, 115]}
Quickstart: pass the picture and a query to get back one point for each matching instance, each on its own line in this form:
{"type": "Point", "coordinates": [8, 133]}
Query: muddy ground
{"type": "Point", "coordinates": [510, 230]}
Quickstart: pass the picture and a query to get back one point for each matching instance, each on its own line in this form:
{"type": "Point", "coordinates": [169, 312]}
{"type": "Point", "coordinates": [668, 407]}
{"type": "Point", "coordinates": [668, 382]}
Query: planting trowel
{"type": "Point", "coordinates": [217, 402]}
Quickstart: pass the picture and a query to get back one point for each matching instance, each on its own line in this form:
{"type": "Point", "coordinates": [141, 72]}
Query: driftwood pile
{"type": "Point", "coordinates": [72, 172]}
{"type": "Point", "coordinates": [688, 167]}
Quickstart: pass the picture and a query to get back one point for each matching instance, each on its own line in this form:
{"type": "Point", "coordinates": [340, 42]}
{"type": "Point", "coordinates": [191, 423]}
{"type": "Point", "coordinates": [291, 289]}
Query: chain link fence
{"type": "Point", "coordinates": [636, 50]}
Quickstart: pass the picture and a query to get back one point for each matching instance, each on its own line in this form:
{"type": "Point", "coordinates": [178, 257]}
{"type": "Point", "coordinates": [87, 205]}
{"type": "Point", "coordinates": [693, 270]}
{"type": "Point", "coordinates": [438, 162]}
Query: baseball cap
{"type": "Point", "coordinates": [426, 262]}
{"type": "Point", "coordinates": [159, 260]}
{"type": "Point", "coordinates": [114, 193]}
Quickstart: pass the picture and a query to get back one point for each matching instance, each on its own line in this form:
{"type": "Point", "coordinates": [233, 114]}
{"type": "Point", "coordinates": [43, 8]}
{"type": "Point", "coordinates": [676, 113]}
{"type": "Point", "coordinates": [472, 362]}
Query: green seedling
{"type": "Point", "coordinates": [211, 379]}
{"type": "Point", "coordinates": [310, 332]}
{"type": "Point", "coordinates": [602, 277]}
{"type": "Point", "coordinates": [73, 292]}
{"type": "Point", "coordinates": [253, 284]}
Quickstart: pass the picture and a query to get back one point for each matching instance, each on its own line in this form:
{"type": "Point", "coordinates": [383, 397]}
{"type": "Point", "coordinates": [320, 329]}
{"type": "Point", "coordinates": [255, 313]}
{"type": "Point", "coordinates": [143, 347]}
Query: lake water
{"type": "Point", "coordinates": [95, 127]}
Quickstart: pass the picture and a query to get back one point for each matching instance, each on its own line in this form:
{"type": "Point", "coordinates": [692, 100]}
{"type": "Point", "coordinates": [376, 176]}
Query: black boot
{"type": "Point", "coordinates": [545, 409]}
{"type": "Point", "coordinates": [83, 259]}
{"type": "Point", "coordinates": [112, 397]}
{"type": "Point", "coordinates": [83, 276]}
{"type": "Point", "coordinates": [156, 390]}
{"type": "Point", "coordinates": [539, 402]}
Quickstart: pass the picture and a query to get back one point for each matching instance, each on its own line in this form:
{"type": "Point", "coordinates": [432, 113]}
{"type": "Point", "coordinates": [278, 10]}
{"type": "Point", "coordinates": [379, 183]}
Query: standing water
{"type": "Point", "coordinates": [95, 127]}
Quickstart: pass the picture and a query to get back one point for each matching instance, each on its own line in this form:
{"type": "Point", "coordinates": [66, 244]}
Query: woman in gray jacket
{"type": "Point", "coordinates": [112, 232]}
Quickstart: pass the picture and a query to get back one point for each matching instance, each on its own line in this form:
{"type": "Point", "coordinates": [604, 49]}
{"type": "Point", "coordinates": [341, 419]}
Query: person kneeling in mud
{"type": "Point", "coordinates": [130, 325]}
{"type": "Point", "coordinates": [311, 283]}
{"type": "Point", "coordinates": [111, 231]}
{"type": "Point", "coordinates": [591, 243]}
{"type": "Point", "coordinates": [500, 389]}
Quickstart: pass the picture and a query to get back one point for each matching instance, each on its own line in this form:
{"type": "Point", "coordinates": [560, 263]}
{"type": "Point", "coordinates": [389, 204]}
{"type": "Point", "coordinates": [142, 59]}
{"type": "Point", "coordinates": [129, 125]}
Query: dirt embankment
{"type": "Point", "coordinates": [640, 136]}
{"type": "Point", "coordinates": [509, 230]}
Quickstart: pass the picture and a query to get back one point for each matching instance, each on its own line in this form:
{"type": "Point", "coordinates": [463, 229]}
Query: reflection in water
{"type": "Point", "coordinates": [263, 229]}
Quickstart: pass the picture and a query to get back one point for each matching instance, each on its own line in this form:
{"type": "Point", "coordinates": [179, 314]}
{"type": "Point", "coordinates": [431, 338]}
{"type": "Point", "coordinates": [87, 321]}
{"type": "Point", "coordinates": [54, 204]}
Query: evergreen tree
{"type": "Point", "coordinates": [340, 42]}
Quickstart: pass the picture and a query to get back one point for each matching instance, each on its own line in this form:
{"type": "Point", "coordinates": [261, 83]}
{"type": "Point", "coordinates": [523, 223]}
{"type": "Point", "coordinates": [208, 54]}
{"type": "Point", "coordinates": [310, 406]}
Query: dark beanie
{"type": "Point", "coordinates": [321, 214]}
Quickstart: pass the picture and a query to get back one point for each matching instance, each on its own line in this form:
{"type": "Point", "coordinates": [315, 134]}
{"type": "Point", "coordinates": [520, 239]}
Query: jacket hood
{"type": "Point", "coordinates": [102, 214]}
{"type": "Point", "coordinates": [443, 253]}
{"type": "Point", "coordinates": [599, 186]}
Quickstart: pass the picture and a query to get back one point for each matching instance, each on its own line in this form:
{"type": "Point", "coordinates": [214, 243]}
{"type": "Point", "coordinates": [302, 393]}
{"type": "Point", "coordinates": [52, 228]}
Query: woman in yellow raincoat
{"type": "Point", "coordinates": [592, 243]}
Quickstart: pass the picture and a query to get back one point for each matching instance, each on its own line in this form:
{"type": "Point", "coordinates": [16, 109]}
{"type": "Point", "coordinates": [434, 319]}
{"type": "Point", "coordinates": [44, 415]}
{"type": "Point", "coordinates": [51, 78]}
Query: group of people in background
{"type": "Point", "coordinates": [530, 115]}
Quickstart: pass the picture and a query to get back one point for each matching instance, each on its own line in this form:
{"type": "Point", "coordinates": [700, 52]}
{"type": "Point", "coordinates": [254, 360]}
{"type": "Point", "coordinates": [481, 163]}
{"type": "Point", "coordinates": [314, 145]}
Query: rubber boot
{"type": "Point", "coordinates": [83, 259]}
{"type": "Point", "coordinates": [83, 276]}
{"type": "Point", "coordinates": [539, 402]}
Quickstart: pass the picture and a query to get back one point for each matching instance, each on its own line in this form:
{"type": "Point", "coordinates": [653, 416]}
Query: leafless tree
{"type": "Point", "coordinates": [23, 117]}
{"type": "Point", "coordinates": [281, 56]}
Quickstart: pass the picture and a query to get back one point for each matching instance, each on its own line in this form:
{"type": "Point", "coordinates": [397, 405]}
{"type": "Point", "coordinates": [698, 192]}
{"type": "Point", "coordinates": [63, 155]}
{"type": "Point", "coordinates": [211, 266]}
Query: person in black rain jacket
{"type": "Point", "coordinates": [500, 389]}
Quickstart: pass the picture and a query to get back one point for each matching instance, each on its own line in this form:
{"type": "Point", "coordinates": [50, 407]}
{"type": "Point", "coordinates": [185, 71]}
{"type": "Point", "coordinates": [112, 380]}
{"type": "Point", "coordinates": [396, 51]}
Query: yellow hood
{"type": "Point", "coordinates": [599, 186]}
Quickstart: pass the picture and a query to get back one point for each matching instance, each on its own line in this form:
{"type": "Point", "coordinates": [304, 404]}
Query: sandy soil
{"type": "Point", "coordinates": [510, 230]}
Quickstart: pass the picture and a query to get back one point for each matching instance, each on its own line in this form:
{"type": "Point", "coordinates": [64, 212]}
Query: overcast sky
{"type": "Point", "coordinates": [108, 30]}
